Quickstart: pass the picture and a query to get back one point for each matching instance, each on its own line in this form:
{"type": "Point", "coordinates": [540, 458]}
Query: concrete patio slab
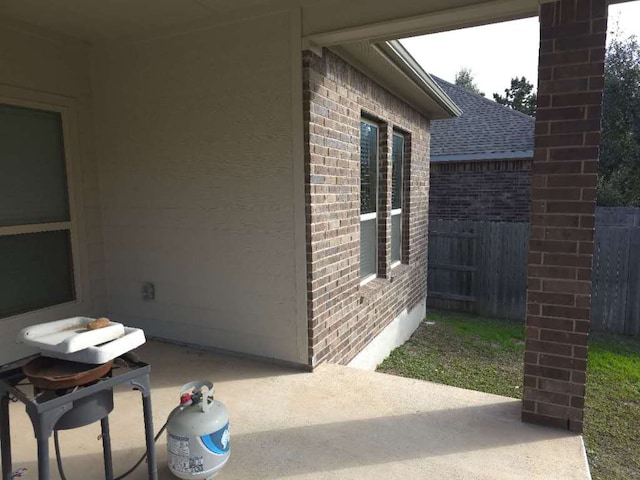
{"type": "Point", "coordinates": [335, 423]}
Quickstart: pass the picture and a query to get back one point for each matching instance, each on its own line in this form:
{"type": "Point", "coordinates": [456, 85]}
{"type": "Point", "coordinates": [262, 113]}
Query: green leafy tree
{"type": "Point", "coordinates": [520, 96]}
{"type": "Point", "coordinates": [464, 79]}
{"type": "Point", "coordinates": [619, 171]}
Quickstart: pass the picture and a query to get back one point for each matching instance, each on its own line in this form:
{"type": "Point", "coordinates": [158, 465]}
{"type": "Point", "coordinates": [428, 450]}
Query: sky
{"type": "Point", "coordinates": [498, 52]}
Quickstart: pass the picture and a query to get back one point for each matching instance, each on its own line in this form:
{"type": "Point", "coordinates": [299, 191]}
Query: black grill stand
{"type": "Point", "coordinates": [45, 411]}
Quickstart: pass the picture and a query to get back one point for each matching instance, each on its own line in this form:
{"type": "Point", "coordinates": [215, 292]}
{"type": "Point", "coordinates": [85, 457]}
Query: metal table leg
{"type": "Point", "coordinates": [5, 437]}
{"type": "Point", "coordinates": [106, 448]}
{"type": "Point", "coordinates": [143, 385]}
{"type": "Point", "coordinates": [43, 458]}
{"type": "Point", "coordinates": [148, 431]}
{"type": "Point", "coordinates": [43, 425]}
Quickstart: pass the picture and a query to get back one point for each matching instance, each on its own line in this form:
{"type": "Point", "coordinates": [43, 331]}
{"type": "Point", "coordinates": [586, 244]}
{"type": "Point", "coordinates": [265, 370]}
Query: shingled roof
{"type": "Point", "coordinates": [486, 130]}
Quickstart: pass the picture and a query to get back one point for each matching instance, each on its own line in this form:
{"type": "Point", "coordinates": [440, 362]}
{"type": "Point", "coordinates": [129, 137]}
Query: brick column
{"type": "Point", "coordinates": [567, 137]}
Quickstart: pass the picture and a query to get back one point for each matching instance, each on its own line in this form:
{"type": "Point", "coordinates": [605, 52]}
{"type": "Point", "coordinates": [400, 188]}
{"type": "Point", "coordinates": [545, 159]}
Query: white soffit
{"type": "Point", "coordinates": [390, 65]}
{"type": "Point", "coordinates": [447, 17]}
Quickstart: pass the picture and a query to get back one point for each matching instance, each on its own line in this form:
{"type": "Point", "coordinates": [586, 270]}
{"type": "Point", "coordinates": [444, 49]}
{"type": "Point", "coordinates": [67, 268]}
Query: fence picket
{"type": "Point", "coordinates": [632, 324]}
{"type": "Point", "coordinates": [487, 273]}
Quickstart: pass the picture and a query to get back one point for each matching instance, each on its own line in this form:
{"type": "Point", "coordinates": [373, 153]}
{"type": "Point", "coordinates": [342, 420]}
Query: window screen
{"type": "Point", "coordinates": [36, 271]}
{"type": "Point", "coordinates": [33, 184]}
{"type": "Point", "coordinates": [397, 166]}
{"type": "Point", "coordinates": [396, 171]}
{"type": "Point", "coordinates": [368, 199]}
{"type": "Point", "coordinates": [368, 167]}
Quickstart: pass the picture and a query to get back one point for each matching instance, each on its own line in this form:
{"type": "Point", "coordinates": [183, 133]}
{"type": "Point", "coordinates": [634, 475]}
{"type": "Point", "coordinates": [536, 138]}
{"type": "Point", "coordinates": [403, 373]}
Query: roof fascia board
{"type": "Point", "coordinates": [449, 19]}
{"type": "Point", "coordinates": [477, 157]}
{"type": "Point", "coordinates": [402, 59]}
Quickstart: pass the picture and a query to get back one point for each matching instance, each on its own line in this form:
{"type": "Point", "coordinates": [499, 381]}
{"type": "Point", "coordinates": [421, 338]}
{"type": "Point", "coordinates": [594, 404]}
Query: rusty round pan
{"type": "Point", "coordinates": [54, 374]}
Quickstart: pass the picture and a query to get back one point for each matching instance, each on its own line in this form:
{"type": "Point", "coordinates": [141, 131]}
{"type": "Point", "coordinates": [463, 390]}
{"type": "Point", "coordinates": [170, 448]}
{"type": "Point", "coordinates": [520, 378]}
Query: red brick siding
{"type": "Point", "coordinates": [495, 191]}
{"type": "Point", "coordinates": [571, 69]}
{"type": "Point", "coordinates": [344, 316]}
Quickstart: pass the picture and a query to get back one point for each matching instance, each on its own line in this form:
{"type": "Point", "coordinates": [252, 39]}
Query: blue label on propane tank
{"type": "Point", "coordinates": [218, 442]}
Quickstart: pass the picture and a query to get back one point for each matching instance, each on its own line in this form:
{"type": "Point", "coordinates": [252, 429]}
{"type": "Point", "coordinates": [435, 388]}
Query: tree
{"type": "Point", "coordinates": [619, 170]}
{"type": "Point", "coordinates": [464, 79]}
{"type": "Point", "coordinates": [520, 96]}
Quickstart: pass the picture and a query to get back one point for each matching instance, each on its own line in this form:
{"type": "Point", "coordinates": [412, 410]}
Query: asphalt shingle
{"type": "Point", "coordinates": [485, 127]}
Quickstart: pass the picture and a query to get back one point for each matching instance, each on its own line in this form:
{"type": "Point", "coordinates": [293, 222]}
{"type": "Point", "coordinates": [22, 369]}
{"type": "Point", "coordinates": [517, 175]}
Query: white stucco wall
{"type": "Point", "coordinates": [194, 134]}
{"type": "Point", "coordinates": [41, 68]}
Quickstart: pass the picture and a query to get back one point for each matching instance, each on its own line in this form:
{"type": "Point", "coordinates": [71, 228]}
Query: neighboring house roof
{"type": "Point", "coordinates": [486, 130]}
{"type": "Point", "coordinates": [391, 65]}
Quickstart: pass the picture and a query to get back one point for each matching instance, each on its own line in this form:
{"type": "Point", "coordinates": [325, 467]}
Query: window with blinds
{"type": "Point", "coordinates": [368, 200]}
{"type": "Point", "coordinates": [397, 167]}
{"type": "Point", "coordinates": [35, 222]}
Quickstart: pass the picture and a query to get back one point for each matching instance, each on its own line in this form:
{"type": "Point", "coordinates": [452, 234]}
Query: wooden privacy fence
{"type": "Point", "coordinates": [615, 289]}
{"type": "Point", "coordinates": [480, 267]}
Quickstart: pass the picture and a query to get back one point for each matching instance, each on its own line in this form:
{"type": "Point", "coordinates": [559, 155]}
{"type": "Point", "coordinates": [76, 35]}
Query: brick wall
{"type": "Point", "coordinates": [343, 315]}
{"type": "Point", "coordinates": [571, 69]}
{"type": "Point", "coordinates": [496, 191]}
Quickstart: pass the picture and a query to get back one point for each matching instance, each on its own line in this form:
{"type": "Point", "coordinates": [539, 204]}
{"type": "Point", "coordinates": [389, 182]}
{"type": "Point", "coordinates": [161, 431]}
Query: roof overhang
{"type": "Point", "coordinates": [480, 157]}
{"type": "Point", "coordinates": [389, 64]}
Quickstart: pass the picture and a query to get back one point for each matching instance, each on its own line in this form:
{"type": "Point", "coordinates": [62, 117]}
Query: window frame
{"type": "Point", "coordinates": [66, 107]}
{"type": "Point", "coordinates": [372, 215]}
{"type": "Point", "coordinates": [398, 211]}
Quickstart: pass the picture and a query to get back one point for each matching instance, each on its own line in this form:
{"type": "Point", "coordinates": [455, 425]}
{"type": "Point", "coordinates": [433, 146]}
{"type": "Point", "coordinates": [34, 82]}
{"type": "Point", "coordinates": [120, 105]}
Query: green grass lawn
{"type": "Point", "coordinates": [485, 354]}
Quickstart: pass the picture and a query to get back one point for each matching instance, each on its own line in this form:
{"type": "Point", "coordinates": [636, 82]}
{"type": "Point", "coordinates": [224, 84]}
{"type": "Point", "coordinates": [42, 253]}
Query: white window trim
{"type": "Point", "coordinates": [66, 107]}
{"type": "Point", "coordinates": [373, 215]}
{"type": "Point", "coordinates": [34, 228]}
{"type": "Point", "coordinates": [366, 280]}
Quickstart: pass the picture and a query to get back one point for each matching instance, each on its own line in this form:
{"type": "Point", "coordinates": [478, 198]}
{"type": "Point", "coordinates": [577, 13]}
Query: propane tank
{"type": "Point", "coordinates": [198, 434]}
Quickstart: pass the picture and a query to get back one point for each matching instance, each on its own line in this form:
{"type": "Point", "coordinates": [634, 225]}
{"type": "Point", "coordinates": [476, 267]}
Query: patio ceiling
{"type": "Point", "coordinates": [325, 22]}
{"type": "Point", "coordinates": [94, 21]}
{"type": "Point", "coordinates": [122, 19]}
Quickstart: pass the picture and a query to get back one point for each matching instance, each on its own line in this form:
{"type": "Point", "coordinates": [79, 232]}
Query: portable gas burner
{"type": "Point", "coordinates": [70, 394]}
